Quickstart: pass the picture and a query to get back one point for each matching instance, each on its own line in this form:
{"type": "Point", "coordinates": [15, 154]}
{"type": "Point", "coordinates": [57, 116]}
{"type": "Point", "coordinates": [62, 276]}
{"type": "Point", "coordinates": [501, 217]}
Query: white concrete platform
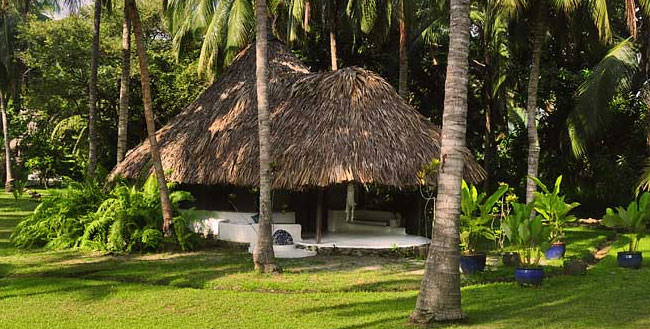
{"type": "Point", "coordinates": [369, 240]}
{"type": "Point", "coordinates": [288, 251]}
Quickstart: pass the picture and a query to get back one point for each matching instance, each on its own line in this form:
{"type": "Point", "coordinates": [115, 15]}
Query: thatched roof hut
{"type": "Point", "coordinates": [327, 128]}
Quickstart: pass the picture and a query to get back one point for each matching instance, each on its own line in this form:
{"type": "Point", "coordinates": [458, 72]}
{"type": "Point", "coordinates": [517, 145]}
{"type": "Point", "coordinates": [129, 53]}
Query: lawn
{"type": "Point", "coordinates": [216, 289]}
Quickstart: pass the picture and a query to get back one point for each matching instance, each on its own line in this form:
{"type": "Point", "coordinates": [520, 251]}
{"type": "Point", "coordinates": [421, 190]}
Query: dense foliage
{"type": "Point", "coordinates": [125, 219]}
{"type": "Point", "coordinates": [591, 113]}
{"type": "Point", "coordinates": [53, 121]}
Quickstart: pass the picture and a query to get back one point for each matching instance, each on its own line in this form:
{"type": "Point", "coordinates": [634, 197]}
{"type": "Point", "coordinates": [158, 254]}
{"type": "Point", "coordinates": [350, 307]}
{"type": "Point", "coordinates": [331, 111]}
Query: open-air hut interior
{"type": "Point", "coordinates": [329, 130]}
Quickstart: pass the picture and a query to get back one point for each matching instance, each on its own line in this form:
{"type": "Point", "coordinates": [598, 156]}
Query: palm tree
{"type": "Point", "coordinates": [332, 13]}
{"type": "Point", "coordinates": [92, 92]}
{"type": "Point", "coordinates": [542, 8]}
{"type": "Point", "coordinates": [403, 56]}
{"type": "Point", "coordinates": [263, 256]}
{"type": "Point", "coordinates": [7, 79]}
{"type": "Point", "coordinates": [491, 19]}
{"type": "Point", "coordinates": [375, 16]}
{"type": "Point", "coordinates": [123, 120]}
{"type": "Point", "coordinates": [439, 297]}
{"type": "Point", "coordinates": [5, 135]}
{"type": "Point", "coordinates": [148, 115]}
{"type": "Point", "coordinates": [225, 27]}
{"type": "Point", "coordinates": [625, 68]}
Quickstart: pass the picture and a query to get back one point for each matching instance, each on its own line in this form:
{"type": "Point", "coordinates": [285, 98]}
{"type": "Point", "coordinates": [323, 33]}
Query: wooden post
{"type": "Point", "coordinates": [319, 214]}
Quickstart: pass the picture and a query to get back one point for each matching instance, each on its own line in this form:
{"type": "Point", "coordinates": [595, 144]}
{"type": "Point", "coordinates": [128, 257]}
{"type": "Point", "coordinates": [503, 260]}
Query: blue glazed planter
{"type": "Point", "coordinates": [472, 263]}
{"type": "Point", "coordinates": [629, 259]}
{"type": "Point", "coordinates": [529, 276]}
{"type": "Point", "coordinates": [556, 251]}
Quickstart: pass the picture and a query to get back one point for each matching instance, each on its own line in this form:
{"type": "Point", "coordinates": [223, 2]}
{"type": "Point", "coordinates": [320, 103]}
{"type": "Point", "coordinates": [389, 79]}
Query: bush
{"type": "Point", "coordinates": [125, 220]}
{"type": "Point", "coordinates": [60, 220]}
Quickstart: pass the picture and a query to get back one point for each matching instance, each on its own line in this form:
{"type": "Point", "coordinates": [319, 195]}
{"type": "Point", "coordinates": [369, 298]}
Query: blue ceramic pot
{"type": "Point", "coordinates": [556, 251]}
{"type": "Point", "coordinates": [470, 264]}
{"type": "Point", "coordinates": [529, 276]}
{"type": "Point", "coordinates": [629, 259]}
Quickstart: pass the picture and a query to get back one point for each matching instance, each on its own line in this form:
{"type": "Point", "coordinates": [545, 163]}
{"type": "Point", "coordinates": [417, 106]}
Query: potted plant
{"type": "Point", "coordinates": [555, 211]}
{"type": "Point", "coordinates": [530, 236]}
{"type": "Point", "coordinates": [634, 219]}
{"type": "Point", "coordinates": [476, 216]}
{"type": "Point", "coordinates": [508, 258]}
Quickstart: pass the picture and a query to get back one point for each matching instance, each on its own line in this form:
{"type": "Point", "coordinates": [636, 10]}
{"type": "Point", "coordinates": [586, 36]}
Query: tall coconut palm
{"type": "Point", "coordinates": [5, 135]}
{"type": "Point", "coordinates": [376, 16]}
{"type": "Point", "coordinates": [403, 56]}
{"type": "Point", "coordinates": [542, 9]}
{"type": "Point", "coordinates": [226, 27]}
{"type": "Point", "coordinates": [92, 91]}
{"type": "Point", "coordinates": [123, 119]}
{"type": "Point", "coordinates": [263, 256]}
{"type": "Point", "coordinates": [148, 115]}
{"type": "Point", "coordinates": [299, 15]}
{"type": "Point", "coordinates": [491, 19]}
{"type": "Point", "coordinates": [332, 14]}
{"type": "Point", "coordinates": [625, 68]}
{"type": "Point", "coordinates": [439, 298]}
{"type": "Point", "coordinates": [7, 79]}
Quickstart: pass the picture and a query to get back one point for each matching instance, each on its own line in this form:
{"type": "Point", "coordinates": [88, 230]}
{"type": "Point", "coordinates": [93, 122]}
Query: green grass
{"type": "Point", "coordinates": [217, 289]}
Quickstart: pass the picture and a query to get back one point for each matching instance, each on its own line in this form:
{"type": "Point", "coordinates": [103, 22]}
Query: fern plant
{"type": "Point", "coordinates": [126, 219]}
{"type": "Point", "coordinates": [59, 221]}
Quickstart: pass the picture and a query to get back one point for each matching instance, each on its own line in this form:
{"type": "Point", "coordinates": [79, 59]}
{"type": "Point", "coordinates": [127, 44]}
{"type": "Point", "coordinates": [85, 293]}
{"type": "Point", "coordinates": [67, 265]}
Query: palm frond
{"type": "Point", "coordinates": [610, 76]}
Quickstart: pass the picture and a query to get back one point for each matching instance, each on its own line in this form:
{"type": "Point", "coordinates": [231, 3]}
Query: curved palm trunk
{"type": "Point", "coordinates": [5, 134]}
{"type": "Point", "coordinates": [531, 107]}
{"type": "Point", "coordinates": [123, 120]}
{"type": "Point", "coordinates": [439, 297]}
{"type": "Point", "coordinates": [403, 56]}
{"type": "Point", "coordinates": [331, 22]}
{"type": "Point", "coordinates": [263, 256]}
{"type": "Point", "coordinates": [148, 115]}
{"type": "Point", "coordinates": [92, 93]}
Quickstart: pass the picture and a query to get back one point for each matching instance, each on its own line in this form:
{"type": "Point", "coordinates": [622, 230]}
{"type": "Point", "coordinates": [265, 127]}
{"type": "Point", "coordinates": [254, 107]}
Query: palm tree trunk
{"type": "Point", "coordinates": [439, 298]}
{"type": "Point", "coordinates": [263, 256]}
{"type": "Point", "coordinates": [5, 135]}
{"type": "Point", "coordinates": [123, 120]}
{"type": "Point", "coordinates": [305, 23]}
{"type": "Point", "coordinates": [148, 115]}
{"type": "Point", "coordinates": [533, 141]}
{"type": "Point", "coordinates": [331, 22]}
{"type": "Point", "coordinates": [403, 56]}
{"type": "Point", "coordinates": [92, 93]}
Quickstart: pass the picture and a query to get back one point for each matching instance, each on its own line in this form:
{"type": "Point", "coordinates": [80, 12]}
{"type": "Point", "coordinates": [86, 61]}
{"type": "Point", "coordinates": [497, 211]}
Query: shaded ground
{"type": "Point", "coordinates": [216, 289]}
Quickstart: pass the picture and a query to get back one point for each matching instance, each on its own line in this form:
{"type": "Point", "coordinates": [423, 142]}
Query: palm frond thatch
{"type": "Point", "coordinates": [327, 128]}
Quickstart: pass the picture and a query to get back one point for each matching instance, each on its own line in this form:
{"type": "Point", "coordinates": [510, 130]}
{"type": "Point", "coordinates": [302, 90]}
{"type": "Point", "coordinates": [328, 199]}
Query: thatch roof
{"type": "Point", "coordinates": [327, 128]}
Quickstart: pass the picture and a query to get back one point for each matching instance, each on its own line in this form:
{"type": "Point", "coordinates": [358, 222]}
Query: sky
{"type": "Point", "coordinates": [65, 12]}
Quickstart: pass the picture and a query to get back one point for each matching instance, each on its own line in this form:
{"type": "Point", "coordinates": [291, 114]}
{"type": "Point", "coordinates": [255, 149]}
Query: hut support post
{"type": "Point", "coordinates": [319, 215]}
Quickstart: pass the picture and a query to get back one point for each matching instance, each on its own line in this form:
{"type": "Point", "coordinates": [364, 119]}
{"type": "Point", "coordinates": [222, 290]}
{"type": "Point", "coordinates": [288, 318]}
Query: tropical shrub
{"type": "Point", "coordinates": [634, 218]}
{"type": "Point", "coordinates": [553, 208]}
{"type": "Point", "coordinates": [530, 236]}
{"type": "Point", "coordinates": [60, 220]}
{"type": "Point", "coordinates": [18, 189]}
{"type": "Point", "coordinates": [477, 213]}
{"type": "Point", "coordinates": [126, 219]}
